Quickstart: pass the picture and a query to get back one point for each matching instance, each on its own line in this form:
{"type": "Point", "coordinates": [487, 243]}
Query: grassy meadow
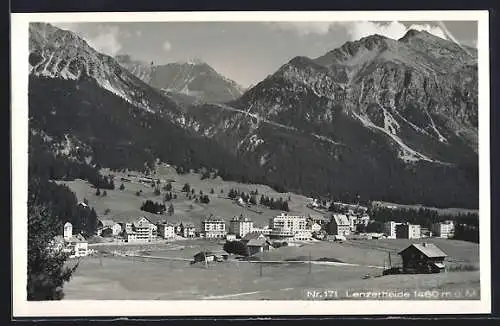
{"type": "Point", "coordinates": [124, 205]}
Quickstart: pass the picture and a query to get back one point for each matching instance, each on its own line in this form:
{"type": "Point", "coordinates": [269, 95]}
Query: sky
{"type": "Point", "coordinates": [247, 51]}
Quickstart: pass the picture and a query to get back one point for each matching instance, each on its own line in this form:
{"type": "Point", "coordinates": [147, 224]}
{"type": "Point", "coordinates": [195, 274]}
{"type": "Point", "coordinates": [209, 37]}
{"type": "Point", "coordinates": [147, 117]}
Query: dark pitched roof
{"type": "Point", "coordinates": [256, 242]}
{"type": "Point", "coordinates": [252, 235]}
{"type": "Point", "coordinates": [430, 250]}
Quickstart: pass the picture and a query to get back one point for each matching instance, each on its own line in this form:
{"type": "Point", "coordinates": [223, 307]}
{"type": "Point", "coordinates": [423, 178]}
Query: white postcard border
{"type": "Point", "coordinates": [19, 109]}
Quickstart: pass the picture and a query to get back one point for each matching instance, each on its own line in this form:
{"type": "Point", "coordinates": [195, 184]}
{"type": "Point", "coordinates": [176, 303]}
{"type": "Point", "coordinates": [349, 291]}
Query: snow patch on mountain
{"type": "Point", "coordinates": [406, 153]}
{"type": "Point", "coordinates": [326, 139]}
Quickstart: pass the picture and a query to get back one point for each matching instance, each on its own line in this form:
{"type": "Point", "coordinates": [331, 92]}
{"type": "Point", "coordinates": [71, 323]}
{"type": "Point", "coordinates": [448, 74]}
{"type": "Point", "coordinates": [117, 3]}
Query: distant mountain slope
{"type": "Point", "coordinates": [82, 100]}
{"type": "Point", "coordinates": [193, 79]}
{"type": "Point", "coordinates": [391, 120]}
{"type": "Point", "coordinates": [382, 117]}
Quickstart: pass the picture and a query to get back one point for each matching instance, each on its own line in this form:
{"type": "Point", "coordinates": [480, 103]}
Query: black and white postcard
{"type": "Point", "coordinates": [250, 163]}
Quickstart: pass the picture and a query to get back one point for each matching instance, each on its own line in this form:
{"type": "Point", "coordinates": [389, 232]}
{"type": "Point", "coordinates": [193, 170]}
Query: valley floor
{"type": "Point", "coordinates": [174, 278]}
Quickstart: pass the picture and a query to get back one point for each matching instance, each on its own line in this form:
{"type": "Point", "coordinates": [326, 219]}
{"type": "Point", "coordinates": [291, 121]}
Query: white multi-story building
{"type": "Point", "coordinates": [303, 235]}
{"type": "Point", "coordinates": [240, 226]}
{"type": "Point", "coordinates": [390, 229]}
{"type": "Point", "coordinates": [266, 230]}
{"type": "Point", "coordinates": [286, 226]}
{"type": "Point", "coordinates": [188, 231]}
{"type": "Point", "coordinates": [213, 227]}
{"type": "Point", "coordinates": [444, 229]}
{"type": "Point", "coordinates": [408, 231]}
{"type": "Point", "coordinates": [339, 225]}
{"type": "Point", "coordinates": [141, 231]}
{"type": "Point", "coordinates": [166, 231]}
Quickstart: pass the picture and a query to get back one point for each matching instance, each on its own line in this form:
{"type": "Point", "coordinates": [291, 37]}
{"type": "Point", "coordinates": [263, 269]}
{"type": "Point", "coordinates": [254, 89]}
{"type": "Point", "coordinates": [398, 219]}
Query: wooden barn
{"type": "Point", "coordinates": [423, 258]}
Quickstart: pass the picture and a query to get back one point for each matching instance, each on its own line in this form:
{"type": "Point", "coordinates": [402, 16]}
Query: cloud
{"type": "Point", "coordinates": [103, 38]}
{"type": "Point", "coordinates": [302, 28]}
{"type": "Point", "coordinates": [106, 40]}
{"type": "Point", "coordinates": [355, 30]}
{"type": "Point", "coordinates": [394, 30]}
{"type": "Point", "coordinates": [167, 46]}
{"type": "Point", "coordinates": [67, 26]}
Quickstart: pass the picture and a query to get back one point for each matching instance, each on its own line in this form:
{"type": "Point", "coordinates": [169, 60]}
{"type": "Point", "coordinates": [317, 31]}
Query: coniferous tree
{"type": "Point", "coordinates": [46, 268]}
{"type": "Point", "coordinates": [92, 223]}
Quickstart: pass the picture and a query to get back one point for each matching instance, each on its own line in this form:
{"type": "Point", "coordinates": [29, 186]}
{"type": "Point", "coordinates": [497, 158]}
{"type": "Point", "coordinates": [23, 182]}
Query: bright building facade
{"type": "Point", "coordinates": [408, 231]}
{"type": "Point", "coordinates": [339, 225]}
{"type": "Point", "coordinates": [444, 229]}
{"type": "Point", "coordinates": [240, 226]}
{"type": "Point", "coordinates": [213, 228]}
{"type": "Point", "coordinates": [390, 229]}
{"type": "Point", "coordinates": [141, 231]}
{"type": "Point", "coordinates": [166, 231]}
{"type": "Point", "coordinates": [284, 225]}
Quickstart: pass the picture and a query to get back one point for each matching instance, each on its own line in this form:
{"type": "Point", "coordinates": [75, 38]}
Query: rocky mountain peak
{"type": "Point", "coordinates": [424, 35]}
{"type": "Point", "coordinates": [194, 79]}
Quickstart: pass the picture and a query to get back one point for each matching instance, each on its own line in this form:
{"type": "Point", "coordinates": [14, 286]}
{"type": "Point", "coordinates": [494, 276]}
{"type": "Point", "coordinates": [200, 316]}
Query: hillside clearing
{"type": "Point", "coordinates": [124, 205]}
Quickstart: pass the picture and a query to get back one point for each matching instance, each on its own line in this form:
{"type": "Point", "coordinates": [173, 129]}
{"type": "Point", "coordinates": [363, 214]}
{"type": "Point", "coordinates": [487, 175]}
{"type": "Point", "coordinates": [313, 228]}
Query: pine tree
{"type": "Point", "coordinates": [92, 222]}
{"type": "Point", "coordinates": [46, 271]}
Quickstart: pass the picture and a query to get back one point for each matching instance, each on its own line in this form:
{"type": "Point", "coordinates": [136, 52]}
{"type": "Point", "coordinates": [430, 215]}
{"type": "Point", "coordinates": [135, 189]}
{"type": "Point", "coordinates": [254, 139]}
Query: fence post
{"type": "Point", "coordinates": [309, 263]}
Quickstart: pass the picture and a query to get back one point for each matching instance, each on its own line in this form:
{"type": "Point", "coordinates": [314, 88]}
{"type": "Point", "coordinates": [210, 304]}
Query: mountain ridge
{"type": "Point", "coordinates": [195, 79]}
{"type": "Point", "coordinates": [377, 118]}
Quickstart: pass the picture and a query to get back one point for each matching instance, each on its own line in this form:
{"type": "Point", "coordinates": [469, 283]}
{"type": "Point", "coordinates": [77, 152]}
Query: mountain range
{"type": "Point", "coordinates": [193, 81]}
{"type": "Point", "coordinates": [385, 119]}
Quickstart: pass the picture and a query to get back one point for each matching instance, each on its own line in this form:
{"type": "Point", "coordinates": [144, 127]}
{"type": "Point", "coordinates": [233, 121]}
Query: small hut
{"type": "Point", "coordinates": [423, 258]}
